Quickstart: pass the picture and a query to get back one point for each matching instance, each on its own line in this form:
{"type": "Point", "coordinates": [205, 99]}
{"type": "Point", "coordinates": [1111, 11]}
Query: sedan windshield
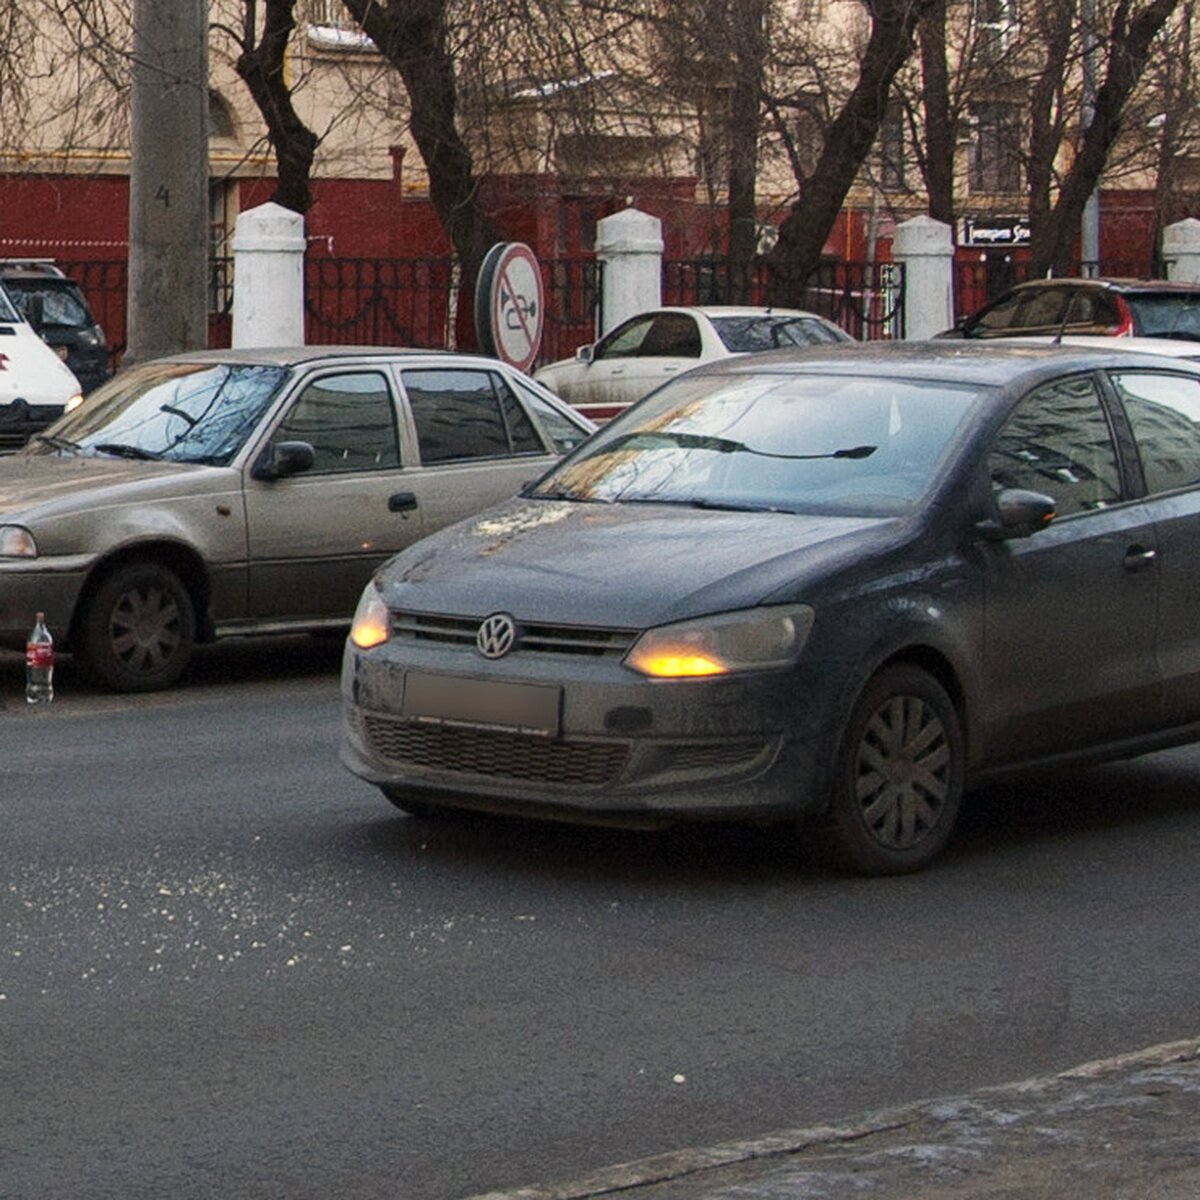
{"type": "Point", "coordinates": [741, 335]}
{"type": "Point", "coordinates": [177, 412]}
{"type": "Point", "coordinates": [793, 443]}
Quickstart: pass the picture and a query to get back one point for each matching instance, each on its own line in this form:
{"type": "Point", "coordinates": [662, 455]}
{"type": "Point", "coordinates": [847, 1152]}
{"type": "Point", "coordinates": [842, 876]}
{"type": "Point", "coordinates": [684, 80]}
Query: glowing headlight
{"type": "Point", "coordinates": [752, 640]}
{"type": "Point", "coordinates": [74, 402]}
{"type": "Point", "coordinates": [16, 542]}
{"type": "Point", "coordinates": [372, 625]}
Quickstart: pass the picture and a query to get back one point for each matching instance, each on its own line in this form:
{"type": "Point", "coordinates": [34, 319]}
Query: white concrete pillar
{"type": "Point", "coordinates": [268, 277]}
{"type": "Point", "coordinates": [926, 248]}
{"type": "Point", "coordinates": [630, 245]}
{"type": "Point", "coordinates": [1181, 249]}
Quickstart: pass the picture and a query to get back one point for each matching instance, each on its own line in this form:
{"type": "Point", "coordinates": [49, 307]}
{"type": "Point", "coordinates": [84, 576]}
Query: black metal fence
{"type": "Point", "coordinates": [865, 299]}
{"type": "Point", "coordinates": [420, 301]}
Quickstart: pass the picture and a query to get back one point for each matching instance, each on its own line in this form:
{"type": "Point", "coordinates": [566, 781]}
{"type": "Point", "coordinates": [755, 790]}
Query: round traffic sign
{"type": "Point", "coordinates": [509, 304]}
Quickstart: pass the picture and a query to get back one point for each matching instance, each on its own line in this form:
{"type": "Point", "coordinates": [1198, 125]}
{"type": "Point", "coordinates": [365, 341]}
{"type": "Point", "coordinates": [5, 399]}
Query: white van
{"type": "Point", "coordinates": [36, 386]}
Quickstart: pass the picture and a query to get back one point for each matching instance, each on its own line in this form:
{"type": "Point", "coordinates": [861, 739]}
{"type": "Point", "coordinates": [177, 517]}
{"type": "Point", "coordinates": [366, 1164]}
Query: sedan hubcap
{"type": "Point", "coordinates": [902, 772]}
{"type": "Point", "coordinates": [144, 630]}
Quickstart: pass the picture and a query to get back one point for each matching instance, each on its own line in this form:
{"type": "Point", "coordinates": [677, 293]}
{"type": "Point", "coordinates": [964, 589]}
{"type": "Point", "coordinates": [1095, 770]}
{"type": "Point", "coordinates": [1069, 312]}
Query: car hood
{"type": "Point", "coordinates": [50, 484]}
{"type": "Point", "coordinates": [621, 565]}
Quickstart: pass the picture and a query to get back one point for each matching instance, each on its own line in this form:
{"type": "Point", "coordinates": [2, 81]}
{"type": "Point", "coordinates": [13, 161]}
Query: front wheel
{"type": "Point", "coordinates": [899, 775]}
{"type": "Point", "coordinates": [138, 629]}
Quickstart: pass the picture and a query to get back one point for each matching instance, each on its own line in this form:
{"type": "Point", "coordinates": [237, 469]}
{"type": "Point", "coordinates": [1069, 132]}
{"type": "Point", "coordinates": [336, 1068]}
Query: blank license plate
{"type": "Point", "coordinates": [528, 707]}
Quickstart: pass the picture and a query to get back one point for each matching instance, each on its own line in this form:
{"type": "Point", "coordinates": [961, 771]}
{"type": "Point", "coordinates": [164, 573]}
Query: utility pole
{"type": "Point", "coordinates": [168, 185]}
{"type": "Point", "coordinates": [1089, 233]}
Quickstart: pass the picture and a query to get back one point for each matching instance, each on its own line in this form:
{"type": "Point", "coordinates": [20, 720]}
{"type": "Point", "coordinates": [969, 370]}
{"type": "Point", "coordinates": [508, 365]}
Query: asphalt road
{"type": "Point", "coordinates": [228, 969]}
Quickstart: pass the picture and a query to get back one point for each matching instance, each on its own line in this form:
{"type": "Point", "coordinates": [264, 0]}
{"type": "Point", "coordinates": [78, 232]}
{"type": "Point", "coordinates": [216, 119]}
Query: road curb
{"type": "Point", "coordinates": [663, 1168]}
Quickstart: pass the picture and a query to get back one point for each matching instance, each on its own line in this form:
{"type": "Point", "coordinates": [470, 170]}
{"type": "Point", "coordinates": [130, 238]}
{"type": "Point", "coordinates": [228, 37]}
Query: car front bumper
{"type": "Point", "coordinates": [28, 587]}
{"type": "Point", "coordinates": [624, 748]}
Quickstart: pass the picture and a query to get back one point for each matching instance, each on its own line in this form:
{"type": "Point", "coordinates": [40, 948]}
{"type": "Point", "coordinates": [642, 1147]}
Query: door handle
{"type": "Point", "coordinates": [402, 501]}
{"type": "Point", "coordinates": [1138, 558]}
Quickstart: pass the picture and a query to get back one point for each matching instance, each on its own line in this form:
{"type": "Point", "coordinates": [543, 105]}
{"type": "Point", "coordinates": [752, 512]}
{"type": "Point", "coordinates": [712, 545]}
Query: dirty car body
{"type": "Point", "coordinates": [252, 492]}
{"type": "Point", "coordinates": [841, 586]}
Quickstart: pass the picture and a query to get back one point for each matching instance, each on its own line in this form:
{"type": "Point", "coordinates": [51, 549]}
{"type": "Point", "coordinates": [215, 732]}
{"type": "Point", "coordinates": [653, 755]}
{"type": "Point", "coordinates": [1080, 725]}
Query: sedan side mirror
{"type": "Point", "coordinates": [1019, 514]}
{"type": "Point", "coordinates": [282, 459]}
{"type": "Point", "coordinates": [584, 353]}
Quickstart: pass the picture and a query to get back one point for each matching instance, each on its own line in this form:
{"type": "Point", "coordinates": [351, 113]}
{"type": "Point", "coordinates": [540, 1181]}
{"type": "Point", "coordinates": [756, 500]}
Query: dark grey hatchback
{"type": "Point", "coordinates": [838, 585]}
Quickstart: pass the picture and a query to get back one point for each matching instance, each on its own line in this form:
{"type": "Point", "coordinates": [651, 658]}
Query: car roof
{"type": "Point", "coordinates": [1170, 347]}
{"type": "Point", "coordinates": [992, 363]}
{"type": "Point", "coordinates": [295, 356]}
{"type": "Point", "coordinates": [734, 310]}
{"type": "Point", "coordinates": [1111, 283]}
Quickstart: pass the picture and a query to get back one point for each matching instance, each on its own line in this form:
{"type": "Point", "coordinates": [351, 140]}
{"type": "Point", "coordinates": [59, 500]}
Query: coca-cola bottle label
{"type": "Point", "coordinates": [39, 656]}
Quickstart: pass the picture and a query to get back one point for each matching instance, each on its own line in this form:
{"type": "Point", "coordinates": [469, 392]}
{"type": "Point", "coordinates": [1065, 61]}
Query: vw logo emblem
{"type": "Point", "coordinates": [496, 636]}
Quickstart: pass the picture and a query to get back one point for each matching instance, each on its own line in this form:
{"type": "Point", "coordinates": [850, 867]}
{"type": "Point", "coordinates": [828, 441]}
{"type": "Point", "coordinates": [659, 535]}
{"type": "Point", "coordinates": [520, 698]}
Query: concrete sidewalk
{"type": "Point", "coordinates": [1126, 1128]}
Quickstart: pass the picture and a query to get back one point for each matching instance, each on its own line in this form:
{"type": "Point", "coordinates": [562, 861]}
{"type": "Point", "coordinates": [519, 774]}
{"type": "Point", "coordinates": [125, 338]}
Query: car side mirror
{"type": "Point", "coordinates": [281, 459]}
{"type": "Point", "coordinates": [585, 353]}
{"type": "Point", "coordinates": [1019, 514]}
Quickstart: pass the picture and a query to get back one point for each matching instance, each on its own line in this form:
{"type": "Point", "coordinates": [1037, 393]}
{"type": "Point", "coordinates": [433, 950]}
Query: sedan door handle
{"type": "Point", "coordinates": [1138, 558]}
{"type": "Point", "coordinates": [402, 501]}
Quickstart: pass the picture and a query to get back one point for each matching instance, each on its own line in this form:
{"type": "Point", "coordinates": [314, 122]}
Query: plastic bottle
{"type": "Point", "coordinates": [39, 664]}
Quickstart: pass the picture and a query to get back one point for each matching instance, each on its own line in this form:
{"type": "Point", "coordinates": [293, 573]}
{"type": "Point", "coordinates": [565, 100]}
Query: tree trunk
{"type": "Point", "coordinates": [1053, 240]}
{"type": "Point", "coordinates": [412, 36]}
{"type": "Point", "coordinates": [939, 126]}
{"type": "Point", "coordinates": [745, 116]}
{"type": "Point", "coordinates": [853, 132]}
{"type": "Point", "coordinates": [261, 67]}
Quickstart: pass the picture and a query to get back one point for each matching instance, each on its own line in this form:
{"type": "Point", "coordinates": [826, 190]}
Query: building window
{"type": "Point", "coordinates": [996, 29]}
{"type": "Point", "coordinates": [995, 147]}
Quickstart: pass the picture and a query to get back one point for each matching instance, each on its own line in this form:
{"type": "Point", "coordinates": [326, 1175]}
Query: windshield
{"type": "Point", "coordinates": [62, 305]}
{"type": "Point", "coordinates": [1167, 316]}
{"type": "Point", "coordinates": [177, 412]}
{"type": "Point", "coordinates": [795, 443]}
{"type": "Point", "coordinates": [741, 335]}
{"type": "Point", "coordinates": [7, 312]}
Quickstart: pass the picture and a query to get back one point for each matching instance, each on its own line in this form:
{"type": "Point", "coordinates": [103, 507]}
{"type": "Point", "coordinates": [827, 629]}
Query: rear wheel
{"type": "Point", "coordinates": [138, 630]}
{"type": "Point", "coordinates": [899, 775]}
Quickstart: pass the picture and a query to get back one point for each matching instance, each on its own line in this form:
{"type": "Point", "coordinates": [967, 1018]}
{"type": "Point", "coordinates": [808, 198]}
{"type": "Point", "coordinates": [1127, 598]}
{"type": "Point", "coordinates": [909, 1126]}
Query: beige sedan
{"type": "Point", "coordinates": [251, 492]}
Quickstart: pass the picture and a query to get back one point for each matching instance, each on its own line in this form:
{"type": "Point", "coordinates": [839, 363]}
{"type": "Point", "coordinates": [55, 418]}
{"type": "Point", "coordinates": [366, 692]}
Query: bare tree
{"type": "Point", "coordinates": [261, 64]}
{"type": "Point", "coordinates": [1127, 49]}
{"type": "Point", "coordinates": [847, 144]}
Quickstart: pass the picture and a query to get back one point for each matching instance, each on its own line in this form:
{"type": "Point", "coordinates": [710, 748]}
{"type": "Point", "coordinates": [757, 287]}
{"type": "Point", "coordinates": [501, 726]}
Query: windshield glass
{"type": "Point", "coordinates": [1176, 316]}
{"type": "Point", "coordinates": [178, 412]}
{"type": "Point", "coordinates": [796, 443]}
{"type": "Point", "coordinates": [742, 335]}
{"type": "Point", "coordinates": [62, 305]}
{"type": "Point", "coordinates": [7, 312]}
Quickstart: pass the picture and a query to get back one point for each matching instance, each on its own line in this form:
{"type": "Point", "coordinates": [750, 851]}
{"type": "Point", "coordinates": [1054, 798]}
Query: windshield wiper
{"type": "Point", "coordinates": [59, 443]}
{"type": "Point", "coordinates": [120, 450]}
{"type": "Point", "coordinates": [720, 445]}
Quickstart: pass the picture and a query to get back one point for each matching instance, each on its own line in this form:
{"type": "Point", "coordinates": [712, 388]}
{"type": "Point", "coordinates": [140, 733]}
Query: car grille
{"type": "Point", "coordinates": [495, 754]}
{"type": "Point", "coordinates": [552, 639]}
{"type": "Point", "coordinates": [12, 441]}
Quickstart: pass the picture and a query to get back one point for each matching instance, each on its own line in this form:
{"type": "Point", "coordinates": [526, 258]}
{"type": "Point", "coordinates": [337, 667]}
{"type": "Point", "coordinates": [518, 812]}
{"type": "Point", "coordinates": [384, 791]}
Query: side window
{"type": "Point", "coordinates": [1057, 442]}
{"type": "Point", "coordinates": [998, 317]}
{"type": "Point", "coordinates": [564, 434]}
{"type": "Point", "coordinates": [461, 413]}
{"type": "Point", "coordinates": [625, 341]}
{"type": "Point", "coordinates": [349, 420]}
{"type": "Point", "coordinates": [1042, 307]}
{"type": "Point", "coordinates": [1092, 308]}
{"type": "Point", "coordinates": [673, 335]}
{"type": "Point", "coordinates": [1164, 411]}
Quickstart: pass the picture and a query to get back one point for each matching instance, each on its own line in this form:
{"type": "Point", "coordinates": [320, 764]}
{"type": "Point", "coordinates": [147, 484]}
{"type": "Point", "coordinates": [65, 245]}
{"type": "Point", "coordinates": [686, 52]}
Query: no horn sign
{"type": "Point", "coordinates": [510, 305]}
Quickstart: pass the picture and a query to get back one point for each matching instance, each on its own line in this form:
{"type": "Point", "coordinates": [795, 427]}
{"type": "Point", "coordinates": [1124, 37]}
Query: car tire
{"type": "Point", "coordinates": [898, 776]}
{"type": "Point", "coordinates": [138, 630]}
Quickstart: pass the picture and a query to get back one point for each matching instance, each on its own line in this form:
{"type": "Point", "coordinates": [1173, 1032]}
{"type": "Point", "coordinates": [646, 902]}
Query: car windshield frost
{"type": "Point", "coordinates": [745, 335]}
{"type": "Point", "coordinates": [844, 445]}
{"type": "Point", "coordinates": [177, 412]}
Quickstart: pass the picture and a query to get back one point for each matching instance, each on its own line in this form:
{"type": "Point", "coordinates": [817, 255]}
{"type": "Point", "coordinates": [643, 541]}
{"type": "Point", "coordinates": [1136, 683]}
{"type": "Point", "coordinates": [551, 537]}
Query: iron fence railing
{"type": "Point", "coordinates": [865, 299]}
